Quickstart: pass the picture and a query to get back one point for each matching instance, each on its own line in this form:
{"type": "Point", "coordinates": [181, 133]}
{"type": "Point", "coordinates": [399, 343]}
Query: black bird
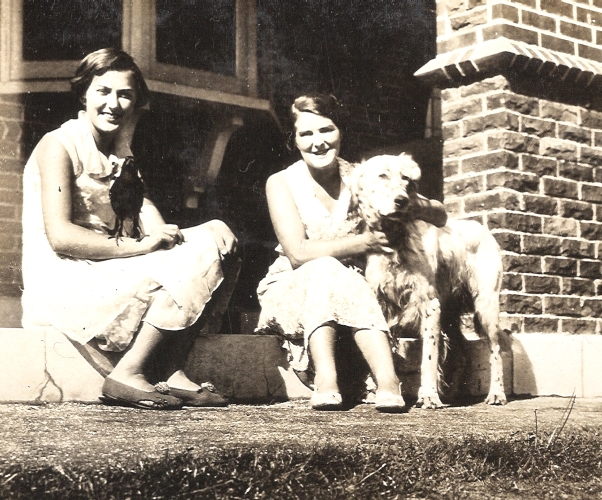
{"type": "Point", "coordinates": [127, 195]}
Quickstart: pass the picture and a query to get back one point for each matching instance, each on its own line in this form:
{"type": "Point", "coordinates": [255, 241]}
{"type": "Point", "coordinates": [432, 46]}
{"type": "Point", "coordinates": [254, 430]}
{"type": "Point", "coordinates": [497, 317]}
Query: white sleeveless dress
{"type": "Point", "coordinates": [294, 303]}
{"type": "Point", "coordinates": [107, 299]}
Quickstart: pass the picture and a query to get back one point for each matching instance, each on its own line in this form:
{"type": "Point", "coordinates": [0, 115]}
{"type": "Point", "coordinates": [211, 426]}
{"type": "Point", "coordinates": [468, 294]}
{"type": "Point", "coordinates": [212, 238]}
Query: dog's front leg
{"type": "Point", "coordinates": [496, 394]}
{"type": "Point", "coordinates": [428, 396]}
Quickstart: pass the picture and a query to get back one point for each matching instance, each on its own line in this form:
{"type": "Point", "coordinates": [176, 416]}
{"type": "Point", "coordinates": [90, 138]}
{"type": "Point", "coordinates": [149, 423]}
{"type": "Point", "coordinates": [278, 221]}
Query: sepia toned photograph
{"type": "Point", "coordinates": [300, 249]}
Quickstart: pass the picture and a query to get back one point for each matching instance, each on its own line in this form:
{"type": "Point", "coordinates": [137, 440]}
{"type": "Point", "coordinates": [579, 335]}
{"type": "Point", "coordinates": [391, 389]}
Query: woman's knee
{"type": "Point", "coordinates": [199, 235]}
{"type": "Point", "coordinates": [326, 265]}
{"type": "Point", "coordinates": [328, 273]}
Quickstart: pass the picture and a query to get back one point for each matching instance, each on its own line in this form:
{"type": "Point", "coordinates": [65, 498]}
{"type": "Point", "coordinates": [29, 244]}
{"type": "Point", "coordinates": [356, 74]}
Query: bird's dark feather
{"type": "Point", "coordinates": [127, 195]}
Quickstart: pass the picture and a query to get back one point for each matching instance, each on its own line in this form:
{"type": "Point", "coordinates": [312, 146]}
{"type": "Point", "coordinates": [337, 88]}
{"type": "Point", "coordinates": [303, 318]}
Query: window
{"type": "Point", "coordinates": [197, 34]}
{"type": "Point", "coordinates": [55, 30]}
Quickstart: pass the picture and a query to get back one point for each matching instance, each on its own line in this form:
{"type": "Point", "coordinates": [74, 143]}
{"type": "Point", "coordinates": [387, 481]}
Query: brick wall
{"type": "Point", "coordinates": [563, 26]}
{"type": "Point", "coordinates": [530, 168]}
{"type": "Point", "coordinates": [11, 170]}
{"type": "Point", "coordinates": [522, 129]}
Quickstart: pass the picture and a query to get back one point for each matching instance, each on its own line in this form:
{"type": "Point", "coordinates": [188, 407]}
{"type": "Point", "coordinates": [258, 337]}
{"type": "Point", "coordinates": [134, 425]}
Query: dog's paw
{"type": "Point", "coordinates": [429, 402]}
{"type": "Point", "coordinates": [496, 399]}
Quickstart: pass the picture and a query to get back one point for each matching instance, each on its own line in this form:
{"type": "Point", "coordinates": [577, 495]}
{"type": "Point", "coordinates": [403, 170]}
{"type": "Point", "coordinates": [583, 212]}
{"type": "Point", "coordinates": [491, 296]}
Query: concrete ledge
{"type": "Point", "coordinates": [44, 366]}
{"type": "Point", "coordinates": [503, 54]}
{"type": "Point", "coordinates": [556, 364]}
{"type": "Point", "coordinates": [245, 368]}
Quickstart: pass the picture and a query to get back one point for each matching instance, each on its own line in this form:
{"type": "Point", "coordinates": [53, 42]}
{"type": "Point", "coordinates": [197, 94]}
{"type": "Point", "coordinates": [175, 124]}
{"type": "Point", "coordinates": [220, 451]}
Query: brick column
{"type": "Point", "coordinates": [522, 152]}
{"type": "Point", "coordinates": [11, 197]}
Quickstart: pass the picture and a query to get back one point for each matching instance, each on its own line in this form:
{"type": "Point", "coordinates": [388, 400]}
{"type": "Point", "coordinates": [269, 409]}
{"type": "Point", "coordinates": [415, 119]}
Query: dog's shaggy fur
{"type": "Point", "coordinates": [433, 275]}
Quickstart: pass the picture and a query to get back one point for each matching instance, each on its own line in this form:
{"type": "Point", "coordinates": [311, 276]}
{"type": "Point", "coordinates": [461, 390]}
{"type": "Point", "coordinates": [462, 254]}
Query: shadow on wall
{"type": "Point", "coordinates": [365, 53]}
{"type": "Point", "coordinates": [526, 383]}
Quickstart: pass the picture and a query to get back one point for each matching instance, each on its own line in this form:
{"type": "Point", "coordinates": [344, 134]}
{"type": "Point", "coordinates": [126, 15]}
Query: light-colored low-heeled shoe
{"type": "Point", "coordinates": [388, 402]}
{"type": "Point", "coordinates": [328, 401]}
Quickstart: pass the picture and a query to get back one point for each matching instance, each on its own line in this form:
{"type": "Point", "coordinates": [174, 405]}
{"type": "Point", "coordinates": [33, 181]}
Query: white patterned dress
{"type": "Point", "coordinates": [294, 303]}
{"type": "Point", "coordinates": [107, 299]}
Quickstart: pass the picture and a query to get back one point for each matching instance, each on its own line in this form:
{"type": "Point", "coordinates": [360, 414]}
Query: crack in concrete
{"type": "Point", "coordinates": [48, 379]}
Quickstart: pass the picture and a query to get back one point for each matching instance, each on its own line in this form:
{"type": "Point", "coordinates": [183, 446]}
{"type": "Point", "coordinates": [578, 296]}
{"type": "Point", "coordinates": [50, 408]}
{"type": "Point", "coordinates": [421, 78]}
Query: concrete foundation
{"type": "Point", "coordinates": [44, 366]}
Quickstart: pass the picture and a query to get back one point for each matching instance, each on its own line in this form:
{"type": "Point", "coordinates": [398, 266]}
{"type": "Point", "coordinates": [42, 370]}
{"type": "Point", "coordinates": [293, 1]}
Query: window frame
{"type": "Point", "coordinates": [139, 40]}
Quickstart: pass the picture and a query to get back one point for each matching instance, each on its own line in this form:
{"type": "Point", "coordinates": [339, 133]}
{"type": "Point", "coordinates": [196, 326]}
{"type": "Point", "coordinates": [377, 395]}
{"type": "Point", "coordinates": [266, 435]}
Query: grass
{"type": "Point", "coordinates": [524, 465]}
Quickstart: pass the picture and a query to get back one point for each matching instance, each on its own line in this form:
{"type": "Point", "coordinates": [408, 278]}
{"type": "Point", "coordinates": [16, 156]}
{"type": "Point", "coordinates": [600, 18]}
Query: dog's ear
{"type": "Point", "coordinates": [354, 182]}
{"type": "Point", "coordinates": [410, 167]}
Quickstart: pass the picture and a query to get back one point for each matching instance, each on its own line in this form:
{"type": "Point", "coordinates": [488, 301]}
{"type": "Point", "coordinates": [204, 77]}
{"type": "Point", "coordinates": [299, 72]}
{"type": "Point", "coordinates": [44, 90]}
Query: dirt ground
{"type": "Point", "coordinates": [94, 435]}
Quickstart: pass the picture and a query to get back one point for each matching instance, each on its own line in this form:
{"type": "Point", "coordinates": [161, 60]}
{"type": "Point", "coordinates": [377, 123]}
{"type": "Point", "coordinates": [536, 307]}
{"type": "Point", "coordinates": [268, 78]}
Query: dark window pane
{"type": "Point", "coordinates": [197, 34]}
{"type": "Point", "coordinates": [69, 29]}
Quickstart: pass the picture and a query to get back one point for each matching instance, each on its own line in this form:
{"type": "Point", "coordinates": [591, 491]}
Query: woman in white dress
{"type": "Point", "coordinates": [315, 292]}
{"type": "Point", "coordinates": [136, 291]}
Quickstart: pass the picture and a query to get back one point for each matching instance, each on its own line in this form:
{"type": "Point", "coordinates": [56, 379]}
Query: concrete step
{"type": "Point", "coordinates": [556, 364]}
{"type": "Point", "coordinates": [44, 366]}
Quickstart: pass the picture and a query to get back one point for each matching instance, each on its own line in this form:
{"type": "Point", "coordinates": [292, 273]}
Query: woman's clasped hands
{"type": "Point", "coordinates": [163, 237]}
{"type": "Point", "coordinates": [167, 236]}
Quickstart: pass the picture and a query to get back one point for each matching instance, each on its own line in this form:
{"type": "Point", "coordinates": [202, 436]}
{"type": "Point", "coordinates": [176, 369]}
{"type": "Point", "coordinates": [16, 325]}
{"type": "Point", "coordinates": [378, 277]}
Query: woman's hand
{"type": "Point", "coordinates": [377, 242]}
{"type": "Point", "coordinates": [163, 237]}
{"type": "Point", "coordinates": [224, 237]}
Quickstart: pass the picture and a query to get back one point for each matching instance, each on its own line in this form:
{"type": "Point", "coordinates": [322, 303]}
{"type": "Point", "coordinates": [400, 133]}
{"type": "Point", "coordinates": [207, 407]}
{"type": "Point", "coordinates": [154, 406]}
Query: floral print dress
{"type": "Point", "coordinates": [295, 302]}
{"type": "Point", "coordinates": [107, 299]}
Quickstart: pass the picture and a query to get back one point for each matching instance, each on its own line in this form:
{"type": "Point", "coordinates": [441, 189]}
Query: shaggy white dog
{"type": "Point", "coordinates": [433, 275]}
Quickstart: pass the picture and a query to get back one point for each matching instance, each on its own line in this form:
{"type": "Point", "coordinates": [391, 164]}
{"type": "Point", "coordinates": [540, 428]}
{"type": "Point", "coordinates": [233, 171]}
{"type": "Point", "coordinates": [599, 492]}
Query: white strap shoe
{"type": "Point", "coordinates": [387, 402]}
{"type": "Point", "coordinates": [329, 401]}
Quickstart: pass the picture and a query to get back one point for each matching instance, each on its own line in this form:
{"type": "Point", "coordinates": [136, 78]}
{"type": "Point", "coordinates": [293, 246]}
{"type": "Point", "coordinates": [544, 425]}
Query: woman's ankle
{"type": "Point", "coordinates": [179, 380]}
{"type": "Point", "coordinates": [136, 380]}
{"type": "Point", "coordinates": [392, 386]}
{"type": "Point", "coordinates": [326, 386]}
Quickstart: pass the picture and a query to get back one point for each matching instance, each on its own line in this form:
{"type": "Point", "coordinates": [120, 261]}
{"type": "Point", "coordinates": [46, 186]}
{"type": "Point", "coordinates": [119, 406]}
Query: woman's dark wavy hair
{"type": "Point", "coordinates": [325, 105]}
{"type": "Point", "coordinates": [98, 63]}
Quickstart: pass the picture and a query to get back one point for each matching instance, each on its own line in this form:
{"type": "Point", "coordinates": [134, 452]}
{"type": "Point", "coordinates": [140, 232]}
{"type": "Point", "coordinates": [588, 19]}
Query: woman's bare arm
{"type": "Point", "coordinates": [291, 232]}
{"type": "Point", "coordinates": [431, 211]}
{"type": "Point", "coordinates": [150, 217]}
{"type": "Point", "coordinates": [64, 236]}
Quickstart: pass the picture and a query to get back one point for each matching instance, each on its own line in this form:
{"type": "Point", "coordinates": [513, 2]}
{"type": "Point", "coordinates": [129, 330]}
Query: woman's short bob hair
{"type": "Point", "coordinates": [98, 63]}
{"type": "Point", "coordinates": [325, 105]}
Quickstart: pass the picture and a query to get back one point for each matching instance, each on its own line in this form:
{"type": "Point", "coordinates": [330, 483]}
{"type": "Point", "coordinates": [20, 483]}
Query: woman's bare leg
{"type": "Point", "coordinates": [375, 347]}
{"type": "Point", "coordinates": [322, 349]}
{"type": "Point", "coordinates": [130, 369]}
{"type": "Point", "coordinates": [178, 346]}
{"type": "Point", "coordinates": [180, 343]}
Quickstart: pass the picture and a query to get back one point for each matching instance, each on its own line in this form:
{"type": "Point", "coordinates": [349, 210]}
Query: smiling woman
{"type": "Point", "coordinates": [318, 140]}
{"type": "Point", "coordinates": [124, 280]}
{"type": "Point", "coordinates": [313, 295]}
{"type": "Point", "coordinates": [109, 101]}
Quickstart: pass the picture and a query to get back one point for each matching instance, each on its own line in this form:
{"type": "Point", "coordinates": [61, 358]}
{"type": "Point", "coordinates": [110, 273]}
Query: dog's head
{"type": "Point", "coordinates": [382, 187]}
